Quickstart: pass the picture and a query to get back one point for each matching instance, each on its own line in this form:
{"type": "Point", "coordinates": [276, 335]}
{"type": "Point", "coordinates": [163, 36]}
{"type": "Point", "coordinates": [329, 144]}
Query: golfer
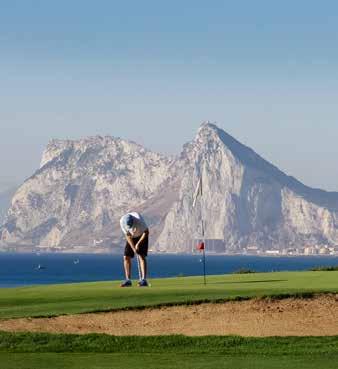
{"type": "Point", "coordinates": [136, 232]}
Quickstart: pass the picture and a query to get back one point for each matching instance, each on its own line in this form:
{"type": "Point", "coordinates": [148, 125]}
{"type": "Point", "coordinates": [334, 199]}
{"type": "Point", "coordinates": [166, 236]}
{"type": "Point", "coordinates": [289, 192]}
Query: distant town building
{"type": "Point", "coordinates": [272, 252]}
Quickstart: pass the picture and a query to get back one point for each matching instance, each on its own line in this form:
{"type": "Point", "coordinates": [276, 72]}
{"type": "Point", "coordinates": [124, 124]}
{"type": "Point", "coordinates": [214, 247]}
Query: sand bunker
{"type": "Point", "coordinates": [257, 318]}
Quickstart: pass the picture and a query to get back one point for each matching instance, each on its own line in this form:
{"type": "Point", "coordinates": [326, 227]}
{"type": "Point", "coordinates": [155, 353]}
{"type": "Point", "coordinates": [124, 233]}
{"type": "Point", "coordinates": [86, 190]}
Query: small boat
{"type": "Point", "coordinates": [76, 261]}
{"type": "Point", "coordinates": [40, 267]}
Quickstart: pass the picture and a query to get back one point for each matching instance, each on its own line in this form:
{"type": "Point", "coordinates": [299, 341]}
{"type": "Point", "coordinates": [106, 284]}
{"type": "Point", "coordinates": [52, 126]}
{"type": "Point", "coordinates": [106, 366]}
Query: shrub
{"type": "Point", "coordinates": [325, 269]}
{"type": "Point", "coordinates": [245, 271]}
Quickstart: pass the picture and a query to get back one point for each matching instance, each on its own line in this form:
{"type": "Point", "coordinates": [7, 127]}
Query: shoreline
{"type": "Point", "coordinates": [165, 253]}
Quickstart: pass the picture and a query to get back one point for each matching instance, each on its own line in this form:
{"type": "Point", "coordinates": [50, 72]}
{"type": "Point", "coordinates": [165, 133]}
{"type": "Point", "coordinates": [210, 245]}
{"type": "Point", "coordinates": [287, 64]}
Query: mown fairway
{"type": "Point", "coordinates": [105, 296]}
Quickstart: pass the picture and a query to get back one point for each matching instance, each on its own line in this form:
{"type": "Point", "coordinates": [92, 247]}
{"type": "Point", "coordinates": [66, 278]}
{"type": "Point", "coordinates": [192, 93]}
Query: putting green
{"type": "Point", "coordinates": [104, 296]}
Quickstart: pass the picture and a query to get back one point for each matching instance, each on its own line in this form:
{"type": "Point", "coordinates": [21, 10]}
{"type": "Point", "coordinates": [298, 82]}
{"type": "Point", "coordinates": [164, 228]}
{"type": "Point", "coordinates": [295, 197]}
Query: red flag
{"type": "Point", "coordinates": [201, 246]}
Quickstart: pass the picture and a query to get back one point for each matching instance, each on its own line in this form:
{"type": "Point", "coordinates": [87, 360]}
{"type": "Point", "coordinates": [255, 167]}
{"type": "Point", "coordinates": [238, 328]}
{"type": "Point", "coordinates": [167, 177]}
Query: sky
{"type": "Point", "coordinates": [153, 71]}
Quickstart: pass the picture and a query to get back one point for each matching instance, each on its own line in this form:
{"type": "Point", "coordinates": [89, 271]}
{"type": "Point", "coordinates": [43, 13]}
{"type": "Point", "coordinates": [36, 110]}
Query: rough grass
{"type": "Point", "coordinates": [163, 361]}
{"type": "Point", "coordinates": [47, 301]}
{"type": "Point", "coordinates": [230, 345]}
{"type": "Point", "coordinates": [41, 351]}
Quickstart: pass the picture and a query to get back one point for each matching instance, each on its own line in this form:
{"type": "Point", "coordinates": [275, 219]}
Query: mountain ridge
{"type": "Point", "coordinates": [262, 164]}
{"type": "Point", "coordinates": [83, 187]}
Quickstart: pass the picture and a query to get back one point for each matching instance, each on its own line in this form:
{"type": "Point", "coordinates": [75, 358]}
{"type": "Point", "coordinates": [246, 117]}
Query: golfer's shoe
{"type": "Point", "coordinates": [126, 283]}
{"type": "Point", "coordinates": [143, 283]}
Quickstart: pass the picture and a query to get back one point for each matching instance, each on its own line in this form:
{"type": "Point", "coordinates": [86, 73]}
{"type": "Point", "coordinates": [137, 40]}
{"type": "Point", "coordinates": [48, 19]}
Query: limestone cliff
{"type": "Point", "coordinates": [83, 187]}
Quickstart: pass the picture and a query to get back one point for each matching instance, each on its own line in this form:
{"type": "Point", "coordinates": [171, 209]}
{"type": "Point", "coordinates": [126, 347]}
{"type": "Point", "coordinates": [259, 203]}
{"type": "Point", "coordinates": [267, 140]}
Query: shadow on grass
{"type": "Point", "coordinates": [244, 282]}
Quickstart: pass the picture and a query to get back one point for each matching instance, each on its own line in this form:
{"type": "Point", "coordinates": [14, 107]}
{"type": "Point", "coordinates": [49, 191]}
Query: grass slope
{"type": "Point", "coordinates": [40, 351]}
{"type": "Point", "coordinates": [228, 345]}
{"type": "Point", "coordinates": [162, 361]}
{"type": "Point", "coordinates": [104, 296]}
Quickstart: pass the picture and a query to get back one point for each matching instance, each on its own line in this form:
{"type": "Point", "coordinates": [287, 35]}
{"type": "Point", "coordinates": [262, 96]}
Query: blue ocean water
{"type": "Point", "coordinates": [23, 269]}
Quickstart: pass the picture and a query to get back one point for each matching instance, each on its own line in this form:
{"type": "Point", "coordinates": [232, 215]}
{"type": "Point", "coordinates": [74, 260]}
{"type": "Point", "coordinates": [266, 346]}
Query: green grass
{"type": "Point", "coordinates": [162, 361]}
{"type": "Point", "coordinates": [228, 345]}
{"type": "Point", "coordinates": [40, 351]}
{"type": "Point", "coordinates": [105, 296]}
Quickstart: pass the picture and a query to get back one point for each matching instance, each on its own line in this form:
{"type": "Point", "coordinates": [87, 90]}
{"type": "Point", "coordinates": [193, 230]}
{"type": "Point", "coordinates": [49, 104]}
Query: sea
{"type": "Point", "coordinates": [19, 270]}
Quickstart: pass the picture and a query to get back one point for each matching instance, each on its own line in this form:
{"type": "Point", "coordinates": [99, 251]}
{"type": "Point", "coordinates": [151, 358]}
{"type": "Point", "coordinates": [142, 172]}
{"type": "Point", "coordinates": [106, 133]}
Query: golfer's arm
{"type": "Point", "coordinates": [145, 233]}
{"type": "Point", "coordinates": [131, 242]}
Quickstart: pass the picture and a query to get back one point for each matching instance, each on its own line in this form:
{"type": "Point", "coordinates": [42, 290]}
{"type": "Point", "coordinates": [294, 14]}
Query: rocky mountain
{"type": "Point", "coordinates": [81, 190]}
{"type": "Point", "coordinates": [246, 201]}
{"type": "Point", "coordinates": [83, 187]}
{"type": "Point", "coordinates": [6, 195]}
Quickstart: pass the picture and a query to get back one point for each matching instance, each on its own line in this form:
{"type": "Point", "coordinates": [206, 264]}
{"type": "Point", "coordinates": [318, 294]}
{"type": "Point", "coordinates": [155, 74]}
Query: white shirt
{"type": "Point", "coordinates": [138, 228]}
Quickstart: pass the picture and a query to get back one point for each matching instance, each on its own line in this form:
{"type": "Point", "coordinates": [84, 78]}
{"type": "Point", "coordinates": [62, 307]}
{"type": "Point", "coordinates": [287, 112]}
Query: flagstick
{"type": "Point", "coordinates": [204, 243]}
{"type": "Point", "coordinates": [204, 272]}
{"type": "Point", "coordinates": [199, 192]}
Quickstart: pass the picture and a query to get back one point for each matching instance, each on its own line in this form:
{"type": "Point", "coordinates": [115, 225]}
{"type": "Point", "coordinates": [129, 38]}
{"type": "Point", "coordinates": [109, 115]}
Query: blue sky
{"type": "Point", "coordinates": [152, 71]}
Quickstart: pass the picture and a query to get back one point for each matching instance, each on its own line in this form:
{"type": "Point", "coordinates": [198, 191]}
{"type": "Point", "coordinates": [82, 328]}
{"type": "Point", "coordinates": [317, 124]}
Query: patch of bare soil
{"type": "Point", "coordinates": [256, 318]}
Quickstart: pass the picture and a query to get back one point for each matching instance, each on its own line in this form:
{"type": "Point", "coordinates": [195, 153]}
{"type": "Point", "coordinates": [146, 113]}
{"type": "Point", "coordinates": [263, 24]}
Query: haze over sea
{"type": "Point", "coordinates": [23, 269]}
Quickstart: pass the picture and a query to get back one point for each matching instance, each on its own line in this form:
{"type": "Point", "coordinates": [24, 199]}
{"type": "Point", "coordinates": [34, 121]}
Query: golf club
{"type": "Point", "coordinates": [138, 267]}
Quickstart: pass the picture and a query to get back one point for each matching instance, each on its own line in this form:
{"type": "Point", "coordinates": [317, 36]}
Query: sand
{"type": "Point", "coordinates": [255, 318]}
